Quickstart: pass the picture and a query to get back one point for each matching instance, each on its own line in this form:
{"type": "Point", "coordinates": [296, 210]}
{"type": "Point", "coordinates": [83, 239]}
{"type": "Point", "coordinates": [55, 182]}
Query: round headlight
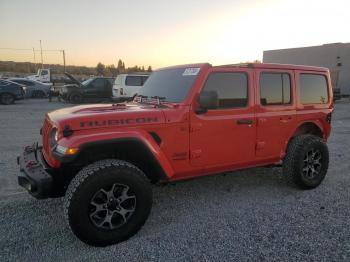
{"type": "Point", "coordinates": [53, 137]}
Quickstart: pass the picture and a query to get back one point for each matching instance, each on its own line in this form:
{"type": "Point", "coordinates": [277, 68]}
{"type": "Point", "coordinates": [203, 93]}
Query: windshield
{"type": "Point", "coordinates": [87, 81]}
{"type": "Point", "coordinates": [170, 84]}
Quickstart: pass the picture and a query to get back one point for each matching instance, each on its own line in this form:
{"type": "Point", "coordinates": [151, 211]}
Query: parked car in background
{"type": "Point", "coordinates": [95, 88]}
{"type": "Point", "coordinates": [10, 92]}
{"type": "Point", "coordinates": [33, 89]}
{"type": "Point", "coordinates": [127, 86]}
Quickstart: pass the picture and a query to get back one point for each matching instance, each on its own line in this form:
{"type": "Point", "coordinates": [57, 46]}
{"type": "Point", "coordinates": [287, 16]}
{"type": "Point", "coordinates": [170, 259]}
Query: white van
{"type": "Point", "coordinates": [127, 86]}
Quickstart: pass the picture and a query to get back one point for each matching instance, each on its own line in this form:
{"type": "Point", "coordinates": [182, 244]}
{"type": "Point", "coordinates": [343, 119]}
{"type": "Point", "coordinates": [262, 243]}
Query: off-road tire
{"type": "Point", "coordinates": [75, 98]}
{"type": "Point", "coordinates": [82, 189]}
{"type": "Point", "coordinates": [294, 161]}
{"type": "Point", "coordinates": [7, 99]}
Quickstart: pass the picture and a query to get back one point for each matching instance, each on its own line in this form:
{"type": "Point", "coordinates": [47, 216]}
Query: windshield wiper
{"type": "Point", "coordinates": [159, 97]}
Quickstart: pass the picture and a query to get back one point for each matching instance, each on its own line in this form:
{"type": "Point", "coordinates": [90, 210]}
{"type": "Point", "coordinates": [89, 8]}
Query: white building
{"type": "Point", "coordinates": [335, 56]}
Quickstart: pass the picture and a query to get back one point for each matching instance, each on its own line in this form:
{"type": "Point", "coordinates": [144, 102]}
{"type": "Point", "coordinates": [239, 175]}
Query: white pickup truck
{"type": "Point", "coordinates": [43, 75]}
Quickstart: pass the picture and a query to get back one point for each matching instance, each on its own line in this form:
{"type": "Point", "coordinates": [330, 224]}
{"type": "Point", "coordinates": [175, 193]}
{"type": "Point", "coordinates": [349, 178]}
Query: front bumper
{"type": "Point", "coordinates": [33, 175]}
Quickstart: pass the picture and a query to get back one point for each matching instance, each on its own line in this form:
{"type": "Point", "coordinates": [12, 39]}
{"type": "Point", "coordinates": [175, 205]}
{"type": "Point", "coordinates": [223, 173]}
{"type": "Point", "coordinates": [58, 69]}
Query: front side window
{"type": "Point", "coordinates": [313, 89]}
{"type": "Point", "coordinates": [133, 81]}
{"type": "Point", "coordinates": [232, 89]}
{"type": "Point", "coordinates": [275, 89]}
{"type": "Point", "coordinates": [98, 83]}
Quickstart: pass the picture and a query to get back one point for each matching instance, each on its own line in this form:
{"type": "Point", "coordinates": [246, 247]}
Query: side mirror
{"type": "Point", "coordinates": [207, 100]}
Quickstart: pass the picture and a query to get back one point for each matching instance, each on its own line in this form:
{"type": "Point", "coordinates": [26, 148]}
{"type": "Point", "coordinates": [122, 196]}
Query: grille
{"type": "Point", "coordinates": [46, 136]}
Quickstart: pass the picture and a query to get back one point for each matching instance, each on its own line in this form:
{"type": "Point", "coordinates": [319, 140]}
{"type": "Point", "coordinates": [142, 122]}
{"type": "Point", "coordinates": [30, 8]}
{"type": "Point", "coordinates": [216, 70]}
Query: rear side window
{"type": "Point", "coordinates": [232, 89]}
{"type": "Point", "coordinates": [133, 81]}
{"type": "Point", "coordinates": [313, 89]}
{"type": "Point", "coordinates": [275, 89]}
{"type": "Point", "coordinates": [144, 79]}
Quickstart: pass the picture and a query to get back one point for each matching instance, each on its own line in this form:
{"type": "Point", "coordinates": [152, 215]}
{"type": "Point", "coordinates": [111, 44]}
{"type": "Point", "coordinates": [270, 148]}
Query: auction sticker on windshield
{"type": "Point", "coordinates": [191, 71]}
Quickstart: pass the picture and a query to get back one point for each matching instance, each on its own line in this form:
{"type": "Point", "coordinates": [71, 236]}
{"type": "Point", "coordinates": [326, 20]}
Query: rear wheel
{"type": "Point", "coordinates": [75, 98]}
{"type": "Point", "coordinates": [7, 99]}
{"type": "Point", "coordinates": [306, 161]}
{"type": "Point", "coordinates": [107, 202]}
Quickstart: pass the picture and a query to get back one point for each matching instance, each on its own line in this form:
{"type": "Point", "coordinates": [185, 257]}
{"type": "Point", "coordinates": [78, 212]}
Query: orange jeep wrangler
{"type": "Point", "coordinates": [187, 121]}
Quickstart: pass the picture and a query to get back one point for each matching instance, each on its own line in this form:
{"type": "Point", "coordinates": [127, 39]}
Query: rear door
{"type": "Point", "coordinates": [276, 111]}
{"type": "Point", "coordinates": [225, 136]}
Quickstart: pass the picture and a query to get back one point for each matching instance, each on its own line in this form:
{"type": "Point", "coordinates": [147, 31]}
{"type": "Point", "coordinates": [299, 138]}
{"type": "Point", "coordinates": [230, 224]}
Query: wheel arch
{"type": "Point", "coordinates": [142, 154]}
{"type": "Point", "coordinates": [307, 127]}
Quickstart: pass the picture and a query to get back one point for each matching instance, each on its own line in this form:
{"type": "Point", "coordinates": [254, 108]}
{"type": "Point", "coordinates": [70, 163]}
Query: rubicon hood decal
{"type": "Point", "coordinates": [117, 122]}
{"type": "Point", "coordinates": [104, 116]}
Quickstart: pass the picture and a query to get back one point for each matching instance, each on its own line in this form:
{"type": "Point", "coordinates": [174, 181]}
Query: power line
{"type": "Point", "coordinates": [41, 50]}
{"type": "Point", "coordinates": [24, 49]}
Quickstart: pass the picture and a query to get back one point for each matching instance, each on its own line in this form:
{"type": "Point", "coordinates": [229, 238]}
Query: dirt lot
{"type": "Point", "coordinates": [248, 215]}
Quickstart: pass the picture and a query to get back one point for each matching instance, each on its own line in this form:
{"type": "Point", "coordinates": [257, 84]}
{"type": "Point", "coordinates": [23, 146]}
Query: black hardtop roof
{"type": "Point", "coordinates": [278, 66]}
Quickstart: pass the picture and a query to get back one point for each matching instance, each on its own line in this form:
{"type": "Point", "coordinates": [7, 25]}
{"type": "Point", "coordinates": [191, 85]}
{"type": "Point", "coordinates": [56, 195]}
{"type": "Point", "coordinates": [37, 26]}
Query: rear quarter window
{"type": "Point", "coordinates": [313, 89]}
{"type": "Point", "coordinates": [133, 81]}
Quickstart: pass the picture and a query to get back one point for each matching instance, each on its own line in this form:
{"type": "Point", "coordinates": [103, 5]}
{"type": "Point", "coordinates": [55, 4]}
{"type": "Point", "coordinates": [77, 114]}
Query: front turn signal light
{"type": "Point", "coordinates": [71, 151]}
{"type": "Point", "coordinates": [66, 151]}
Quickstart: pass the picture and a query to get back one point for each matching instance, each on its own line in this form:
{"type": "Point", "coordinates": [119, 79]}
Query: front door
{"type": "Point", "coordinates": [225, 136]}
{"type": "Point", "coordinates": [95, 89]}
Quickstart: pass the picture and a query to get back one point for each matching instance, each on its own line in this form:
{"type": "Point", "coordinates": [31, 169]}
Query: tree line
{"type": "Point", "coordinates": [111, 70]}
{"type": "Point", "coordinates": [100, 69]}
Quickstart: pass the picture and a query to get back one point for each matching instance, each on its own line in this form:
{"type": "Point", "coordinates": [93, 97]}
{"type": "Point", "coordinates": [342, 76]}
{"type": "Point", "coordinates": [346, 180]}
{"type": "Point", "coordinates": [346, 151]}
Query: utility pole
{"type": "Point", "coordinates": [64, 61]}
{"type": "Point", "coordinates": [41, 52]}
{"type": "Point", "coordinates": [34, 58]}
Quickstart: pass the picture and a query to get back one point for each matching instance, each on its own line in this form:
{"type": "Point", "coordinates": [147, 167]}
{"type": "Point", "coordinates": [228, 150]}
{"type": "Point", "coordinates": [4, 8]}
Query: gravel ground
{"type": "Point", "coordinates": [249, 215]}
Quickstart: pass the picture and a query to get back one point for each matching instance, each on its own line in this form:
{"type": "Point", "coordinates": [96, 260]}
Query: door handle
{"type": "Point", "coordinates": [244, 121]}
{"type": "Point", "coordinates": [285, 119]}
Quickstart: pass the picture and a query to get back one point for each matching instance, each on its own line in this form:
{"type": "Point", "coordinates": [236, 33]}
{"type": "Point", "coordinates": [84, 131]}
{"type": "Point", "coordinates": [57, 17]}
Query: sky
{"type": "Point", "coordinates": [162, 33]}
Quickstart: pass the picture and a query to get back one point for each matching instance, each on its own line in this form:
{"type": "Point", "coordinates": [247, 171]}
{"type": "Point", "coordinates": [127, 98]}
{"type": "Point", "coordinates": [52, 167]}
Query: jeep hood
{"type": "Point", "coordinates": [106, 115]}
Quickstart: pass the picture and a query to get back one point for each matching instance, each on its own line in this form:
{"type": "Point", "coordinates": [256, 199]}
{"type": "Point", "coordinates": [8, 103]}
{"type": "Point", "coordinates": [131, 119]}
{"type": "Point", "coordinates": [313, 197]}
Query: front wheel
{"type": "Point", "coordinates": [76, 98]}
{"type": "Point", "coordinates": [306, 161]}
{"type": "Point", "coordinates": [107, 202]}
{"type": "Point", "coordinates": [7, 99]}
